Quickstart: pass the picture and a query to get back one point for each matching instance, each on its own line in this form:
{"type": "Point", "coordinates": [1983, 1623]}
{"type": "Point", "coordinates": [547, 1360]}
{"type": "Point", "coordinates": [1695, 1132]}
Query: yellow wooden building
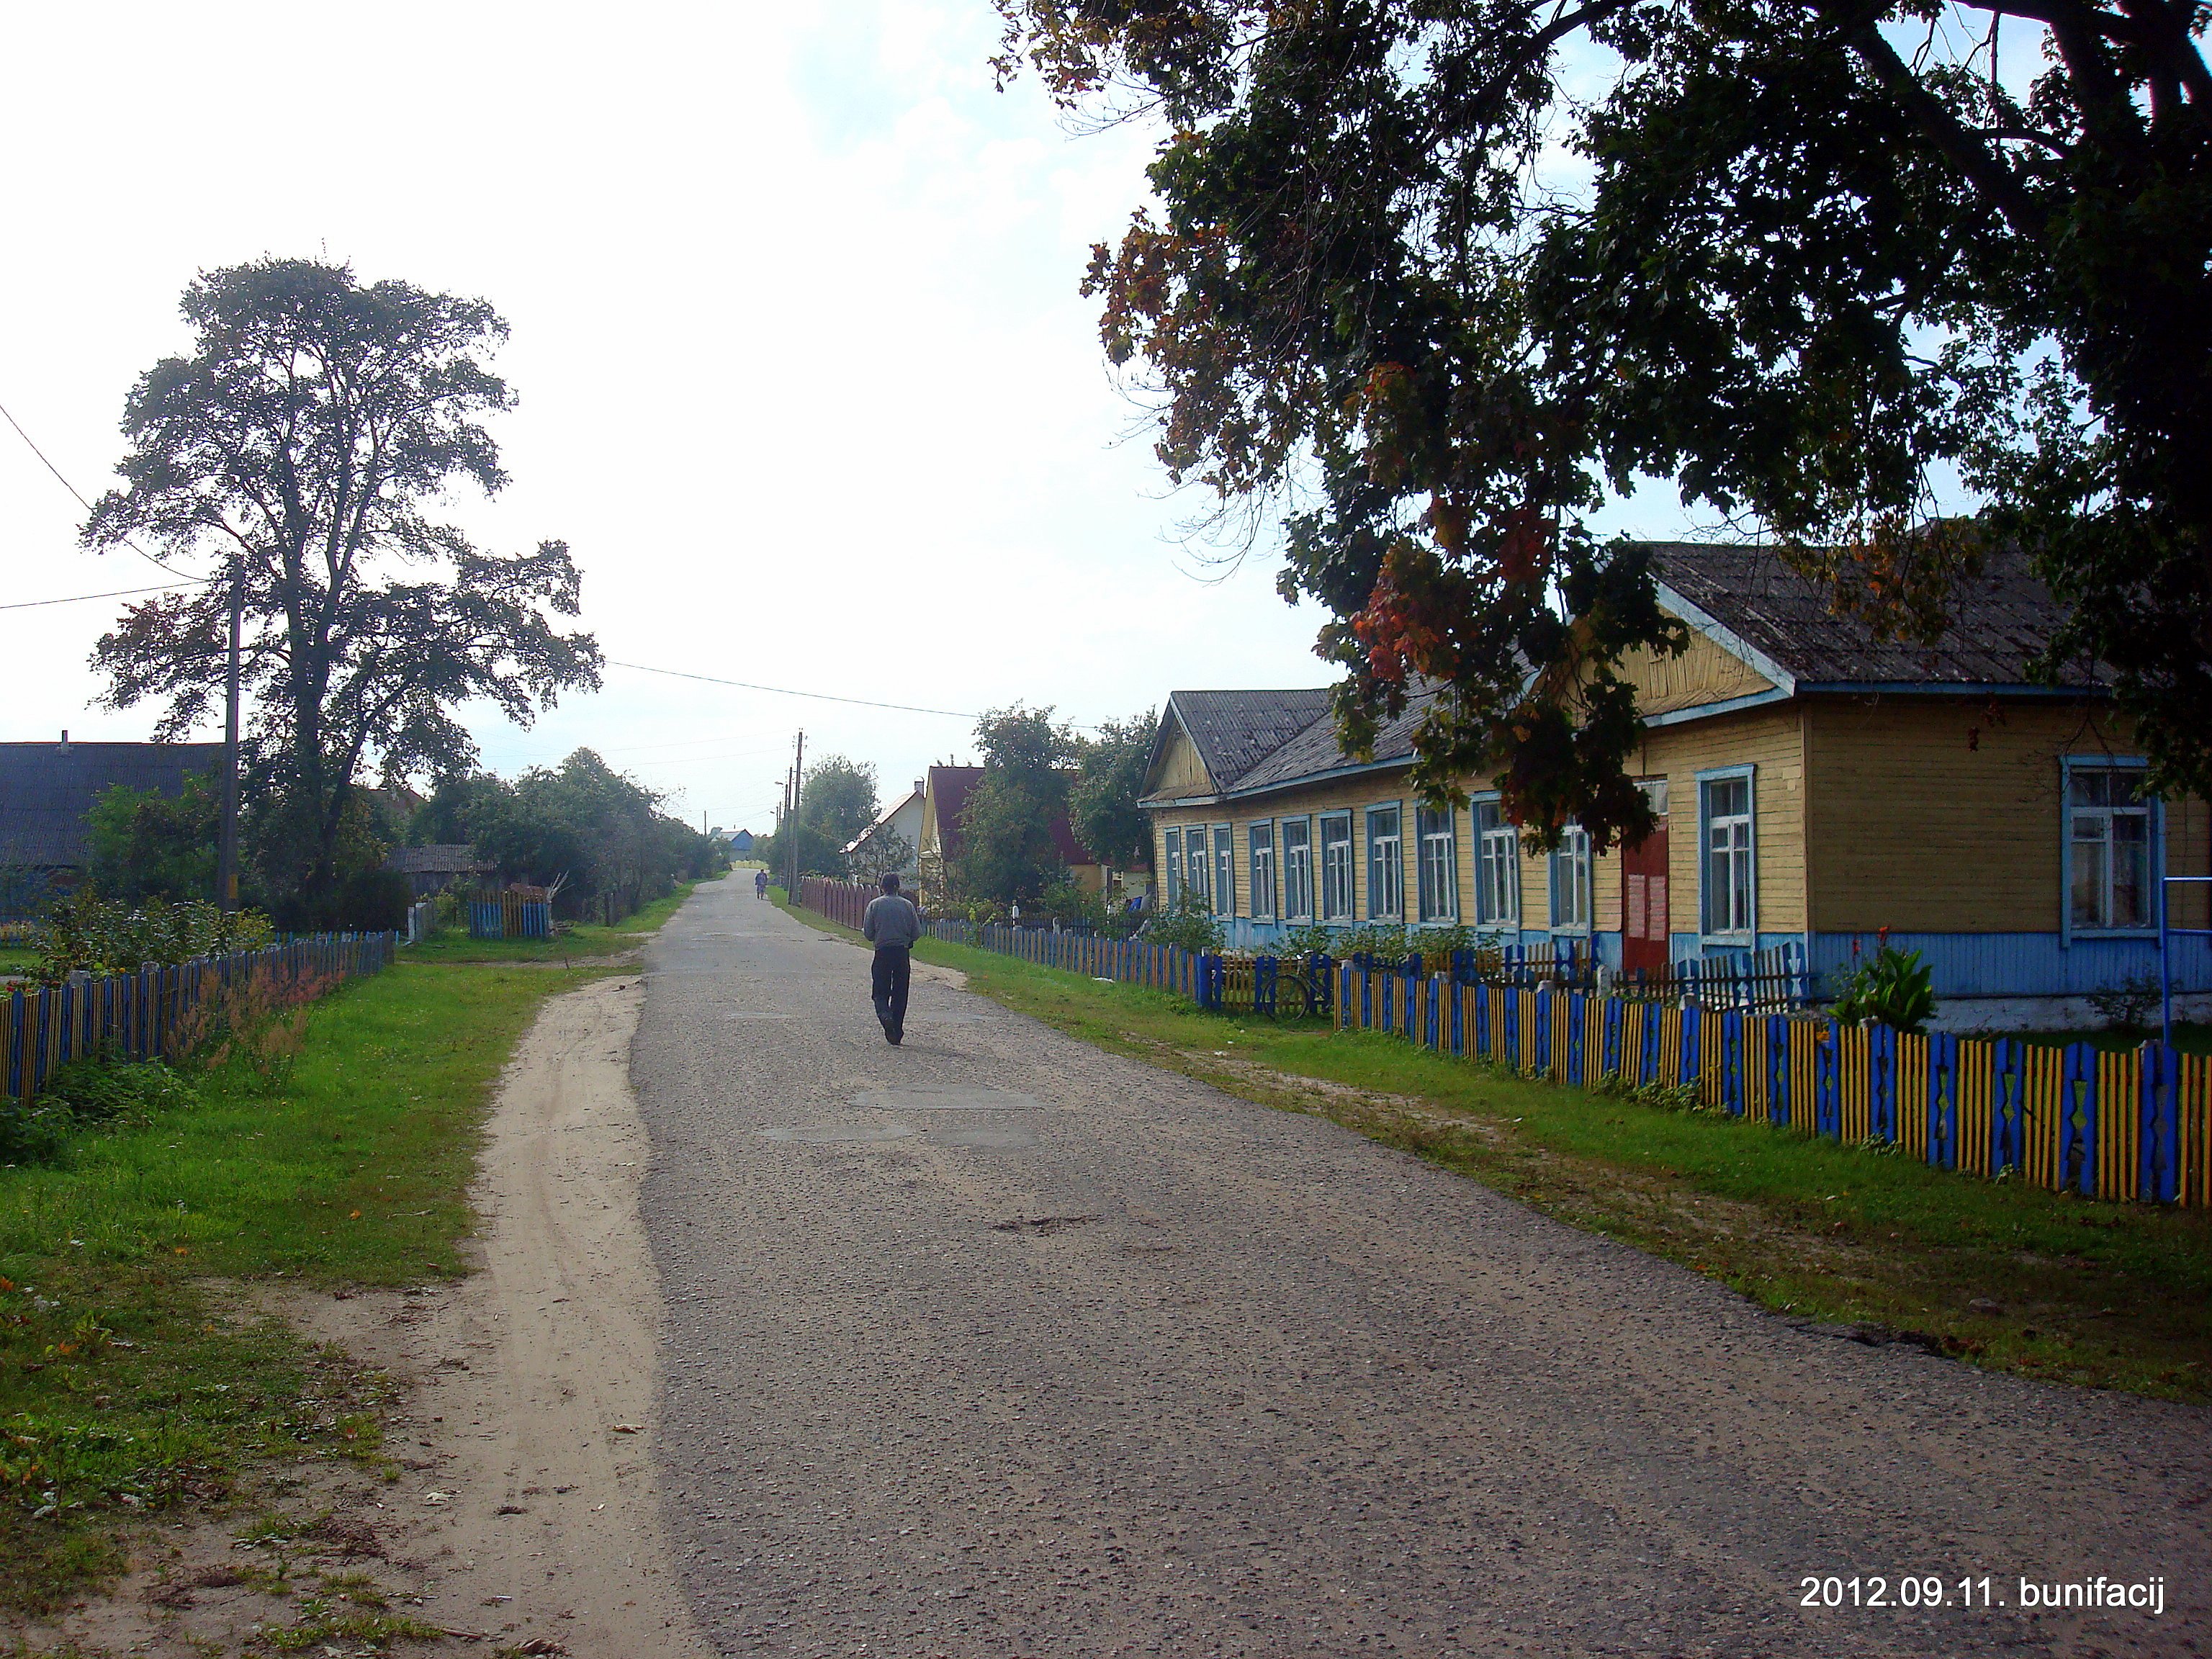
{"type": "Point", "coordinates": [1815, 784]}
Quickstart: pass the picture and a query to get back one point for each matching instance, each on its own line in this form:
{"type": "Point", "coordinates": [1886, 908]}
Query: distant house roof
{"type": "Point", "coordinates": [46, 789]}
{"type": "Point", "coordinates": [2004, 617]}
{"type": "Point", "coordinates": [951, 785]}
{"type": "Point", "coordinates": [443, 859]}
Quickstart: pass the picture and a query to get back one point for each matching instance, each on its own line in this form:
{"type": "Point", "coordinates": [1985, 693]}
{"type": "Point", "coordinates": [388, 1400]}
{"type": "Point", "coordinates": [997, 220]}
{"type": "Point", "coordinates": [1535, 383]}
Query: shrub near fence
{"type": "Point", "coordinates": [138, 1016]}
{"type": "Point", "coordinates": [2134, 1125]}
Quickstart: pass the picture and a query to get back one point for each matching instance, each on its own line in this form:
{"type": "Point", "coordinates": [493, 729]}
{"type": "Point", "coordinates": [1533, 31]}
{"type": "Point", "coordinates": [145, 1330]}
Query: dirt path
{"type": "Point", "coordinates": [526, 1510]}
{"type": "Point", "coordinates": [997, 1345]}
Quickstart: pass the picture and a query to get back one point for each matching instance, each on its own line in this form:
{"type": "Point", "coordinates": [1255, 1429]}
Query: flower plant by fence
{"type": "Point", "coordinates": [2133, 1125]}
{"type": "Point", "coordinates": [150, 1014]}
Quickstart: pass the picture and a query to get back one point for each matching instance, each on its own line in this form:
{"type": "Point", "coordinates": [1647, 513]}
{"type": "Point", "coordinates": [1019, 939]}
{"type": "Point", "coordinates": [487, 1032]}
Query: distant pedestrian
{"type": "Point", "coordinates": [891, 925]}
{"type": "Point", "coordinates": [759, 884]}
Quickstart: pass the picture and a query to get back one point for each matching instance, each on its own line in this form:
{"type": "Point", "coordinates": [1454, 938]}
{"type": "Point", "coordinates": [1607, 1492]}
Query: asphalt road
{"type": "Point", "coordinates": [998, 1344]}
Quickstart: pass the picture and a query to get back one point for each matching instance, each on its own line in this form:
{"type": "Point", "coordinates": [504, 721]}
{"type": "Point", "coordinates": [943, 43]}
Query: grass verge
{"type": "Point", "coordinates": [131, 1378]}
{"type": "Point", "coordinates": [2004, 1275]}
{"type": "Point", "coordinates": [585, 940]}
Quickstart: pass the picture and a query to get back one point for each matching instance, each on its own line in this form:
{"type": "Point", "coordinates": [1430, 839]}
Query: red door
{"type": "Point", "coordinates": [1645, 915]}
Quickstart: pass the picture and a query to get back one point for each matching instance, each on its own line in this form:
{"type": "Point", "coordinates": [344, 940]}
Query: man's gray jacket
{"type": "Point", "coordinates": [891, 920]}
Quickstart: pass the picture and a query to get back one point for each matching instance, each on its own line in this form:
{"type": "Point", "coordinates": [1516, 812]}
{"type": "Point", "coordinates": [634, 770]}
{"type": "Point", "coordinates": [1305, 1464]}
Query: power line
{"type": "Point", "coordinates": [81, 501]}
{"type": "Point", "coordinates": [116, 593]}
{"type": "Point", "coordinates": [786, 691]}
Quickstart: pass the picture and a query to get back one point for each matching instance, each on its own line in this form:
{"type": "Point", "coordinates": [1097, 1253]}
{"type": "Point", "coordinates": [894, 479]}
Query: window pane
{"type": "Point", "coordinates": [2132, 901]}
{"type": "Point", "coordinates": [2087, 899]}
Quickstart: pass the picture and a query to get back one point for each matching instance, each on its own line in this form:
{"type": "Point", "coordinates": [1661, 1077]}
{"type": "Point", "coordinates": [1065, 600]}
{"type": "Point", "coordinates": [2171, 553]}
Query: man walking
{"type": "Point", "coordinates": [759, 884]}
{"type": "Point", "coordinates": [891, 925]}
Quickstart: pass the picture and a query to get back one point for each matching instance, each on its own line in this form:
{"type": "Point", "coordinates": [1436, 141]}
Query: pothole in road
{"type": "Point", "coordinates": [1042, 1223]}
{"type": "Point", "coordinates": [946, 1100]}
{"type": "Point", "coordinates": [818, 1135]}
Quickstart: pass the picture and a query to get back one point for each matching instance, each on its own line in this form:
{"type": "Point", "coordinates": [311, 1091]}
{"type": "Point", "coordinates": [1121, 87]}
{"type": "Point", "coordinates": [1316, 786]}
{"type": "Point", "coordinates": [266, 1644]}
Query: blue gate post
{"type": "Point", "coordinates": [2159, 1177]}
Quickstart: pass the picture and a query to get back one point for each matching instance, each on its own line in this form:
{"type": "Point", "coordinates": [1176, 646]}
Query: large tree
{"type": "Point", "coordinates": [1438, 277]}
{"type": "Point", "coordinates": [1007, 852]}
{"type": "Point", "coordinates": [296, 459]}
{"type": "Point", "coordinates": [1109, 777]}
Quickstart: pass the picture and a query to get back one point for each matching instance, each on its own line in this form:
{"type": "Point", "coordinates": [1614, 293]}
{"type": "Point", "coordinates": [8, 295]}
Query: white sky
{"type": "Point", "coordinates": [805, 379]}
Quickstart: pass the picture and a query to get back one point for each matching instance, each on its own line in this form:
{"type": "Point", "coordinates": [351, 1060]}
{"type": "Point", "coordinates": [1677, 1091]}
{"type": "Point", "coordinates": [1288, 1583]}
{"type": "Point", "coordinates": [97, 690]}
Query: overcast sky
{"type": "Point", "coordinates": [805, 379]}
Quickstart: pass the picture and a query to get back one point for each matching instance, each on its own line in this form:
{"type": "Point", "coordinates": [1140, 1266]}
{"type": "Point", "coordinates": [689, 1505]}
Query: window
{"type": "Point", "coordinates": [1496, 869]}
{"type": "Point", "coordinates": [1730, 898]}
{"type": "Point", "coordinates": [1570, 879]}
{"type": "Point", "coordinates": [2108, 832]}
{"type": "Point", "coordinates": [1262, 871]}
{"type": "Point", "coordinates": [1171, 864]}
{"type": "Point", "coordinates": [1386, 865]}
{"type": "Point", "coordinates": [1439, 864]}
{"type": "Point", "coordinates": [1336, 867]}
{"type": "Point", "coordinates": [1298, 869]}
{"type": "Point", "coordinates": [1224, 873]}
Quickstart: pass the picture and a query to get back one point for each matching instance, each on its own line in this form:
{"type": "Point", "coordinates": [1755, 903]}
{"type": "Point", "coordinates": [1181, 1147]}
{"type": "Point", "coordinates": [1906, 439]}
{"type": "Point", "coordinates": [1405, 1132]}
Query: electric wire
{"type": "Point", "coordinates": [786, 691]}
{"type": "Point", "coordinates": [85, 504]}
{"type": "Point", "coordinates": [115, 594]}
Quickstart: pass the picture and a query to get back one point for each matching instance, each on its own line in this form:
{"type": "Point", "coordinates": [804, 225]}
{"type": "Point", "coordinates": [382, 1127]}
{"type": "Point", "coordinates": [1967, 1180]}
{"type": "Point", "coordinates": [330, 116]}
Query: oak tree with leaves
{"type": "Point", "coordinates": [1439, 277]}
{"type": "Point", "coordinates": [296, 456]}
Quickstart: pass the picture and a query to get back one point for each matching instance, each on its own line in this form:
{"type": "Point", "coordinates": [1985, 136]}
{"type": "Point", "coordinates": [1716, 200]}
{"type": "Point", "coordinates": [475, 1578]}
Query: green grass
{"type": "Point", "coordinates": [585, 940]}
{"type": "Point", "coordinates": [2105, 1294]}
{"type": "Point", "coordinates": [18, 958]}
{"type": "Point", "coordinates": [127, 1383]}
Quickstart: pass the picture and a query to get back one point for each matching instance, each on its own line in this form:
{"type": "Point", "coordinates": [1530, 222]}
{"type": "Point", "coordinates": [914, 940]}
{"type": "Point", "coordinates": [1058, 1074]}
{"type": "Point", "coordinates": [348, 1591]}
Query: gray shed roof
{"type": "Point", "coordinates": [46, 789]}
{"type": "Point", "coordinates": [439, 859]}
{"type": "Point", "coordinates": [2004, 617]}
{"type": "Point", "coordinates": [1317, 750]}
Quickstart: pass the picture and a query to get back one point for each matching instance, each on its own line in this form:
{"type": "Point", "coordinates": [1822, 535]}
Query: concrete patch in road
{"type": "Point", "coordinates": [821, 1134]}
{"type": "Point", "coordinates": [1008, 1135]}
{"type": "Point", "coordinates": [947, 1100]}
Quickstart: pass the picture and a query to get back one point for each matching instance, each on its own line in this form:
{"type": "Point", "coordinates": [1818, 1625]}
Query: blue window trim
{"type": "Point", "coordinates": [2068, 765]}
{"type": "Point", "coordinates": [1321, 865]}
{"type": "Point", "coordinates": [1252, 870]}
{"type": "Point", "coordinates": [1749, 773]}
{"type": "Point", "coordinates": [1222, 840]}
{"type": "Point", "coordinates": [1313, 867]}
{"type": "Point", "coordinates": [1475, 804]}
{"type": "Point", "coordinates": [1170, 864]}
{"type": "Point", "coordinates": [1450, 917]}
{"type": "Point", "coordinates": [1553, 924]}
{"type": "Point", "coordinates": [1367, 822]}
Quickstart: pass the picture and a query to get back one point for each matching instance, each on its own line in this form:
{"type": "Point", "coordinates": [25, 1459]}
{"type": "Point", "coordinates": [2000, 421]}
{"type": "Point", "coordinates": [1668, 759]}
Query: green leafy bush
{"type": "Point", "coordinates": [1190, 924]}
{"type": "Point", "coordinates": [1895, 988]}
{"type": "Point", "coordinates": [97, 1093]}
{"type": "Point", "coordinates": [88, 933]}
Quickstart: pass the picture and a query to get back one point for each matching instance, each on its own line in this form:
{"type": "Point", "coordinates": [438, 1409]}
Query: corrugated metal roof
{"type": "Point", "coordinates": [2003, 619]}
{"type": "Point", "coordinates": [1234, 731]}
{"type": "Point", "coordinates": [439, 859]}
{"type": "Point", "coordinates": [46, 789]}
{"type": "Point", "coordinates": [1317, 750]}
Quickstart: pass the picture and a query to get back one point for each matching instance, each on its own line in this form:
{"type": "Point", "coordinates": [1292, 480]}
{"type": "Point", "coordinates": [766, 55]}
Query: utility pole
{"type": "Point", "coordinates": [226, 857]}
{"type": "Point", "coordinates": [798, 782]}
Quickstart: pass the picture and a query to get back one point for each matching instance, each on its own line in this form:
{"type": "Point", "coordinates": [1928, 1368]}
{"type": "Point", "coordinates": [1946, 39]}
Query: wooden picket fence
{"type": "Point", "coordinates": [2125, 1125]}
{"type": "Point", "coordinates": [138, 1016]}
{"type": "Point", "coordinates": [518, 913]}
{"type": "Point", "coordinates": [2134, 1124]}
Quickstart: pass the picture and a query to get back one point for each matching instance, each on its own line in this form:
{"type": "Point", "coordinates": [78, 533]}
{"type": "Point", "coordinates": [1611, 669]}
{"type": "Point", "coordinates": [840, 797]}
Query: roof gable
{"type": "Point", "coordinates": [1228, 732]}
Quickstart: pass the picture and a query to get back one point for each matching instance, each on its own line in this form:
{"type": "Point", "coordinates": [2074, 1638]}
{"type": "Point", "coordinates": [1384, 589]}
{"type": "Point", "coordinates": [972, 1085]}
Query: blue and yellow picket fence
{"type": "Point", "coordinates": [514, 914]}
{"type": "Point", "coordinates": [137, 1016]}
{"type": "Point", "coordinates": [2134, 1124]}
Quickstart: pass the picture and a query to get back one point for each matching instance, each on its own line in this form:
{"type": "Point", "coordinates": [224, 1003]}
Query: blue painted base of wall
{"type": "Point", "coordinates": [2025, 964]}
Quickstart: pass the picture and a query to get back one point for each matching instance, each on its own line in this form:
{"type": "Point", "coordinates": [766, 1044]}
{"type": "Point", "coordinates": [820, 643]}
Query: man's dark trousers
{"type": "Point", "coordinates": [894, 967]}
